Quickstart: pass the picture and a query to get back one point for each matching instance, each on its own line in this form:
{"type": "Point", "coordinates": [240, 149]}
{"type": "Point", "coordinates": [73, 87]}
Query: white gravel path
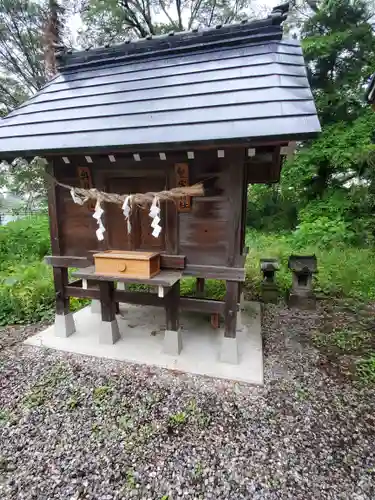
{"type": "Point", "coordinates": [75, 428]}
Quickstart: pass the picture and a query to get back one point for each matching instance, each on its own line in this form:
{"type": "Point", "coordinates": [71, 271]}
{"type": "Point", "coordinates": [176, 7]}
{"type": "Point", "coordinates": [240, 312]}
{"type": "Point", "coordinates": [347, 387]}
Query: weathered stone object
{"type": "Point", "coordinates": [303, 268]}
{"type": "Point", "coordinates": [269, 287]}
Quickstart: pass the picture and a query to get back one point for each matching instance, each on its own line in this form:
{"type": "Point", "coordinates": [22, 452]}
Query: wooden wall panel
{"type": "Point", "coordinates": [77, 226]}
{"type": "Point", "coordinates": [203, 231]}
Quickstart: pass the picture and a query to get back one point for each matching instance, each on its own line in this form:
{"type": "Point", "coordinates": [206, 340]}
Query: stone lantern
{"type": "Point", "coordinates": [269, 287]}
{"type": "Point", "coordinates": [303, 268]}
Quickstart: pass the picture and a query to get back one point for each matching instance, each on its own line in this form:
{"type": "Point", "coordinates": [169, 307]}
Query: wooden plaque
{"type": "Point", "coordinates": [182, 180]}
{"type": "Point", "coordinates": [85, 182]}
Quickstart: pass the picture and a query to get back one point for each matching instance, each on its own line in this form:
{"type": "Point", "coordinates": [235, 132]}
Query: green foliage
{"type": "Point", "coordinates": [26, 285]}
{"type": "Point", "coordinates": [177, 419]}
{"type": "Point", "coordinates": [23, 241]}
{"type": "Point", "coordinates": [323, 232]}
{"type": "Point", "coordinates": [213, 289]}
{"type": "Point", "coordinates": [270, 209]}
{"type": "Point", "coordinates": [108, 21]}
{"type": "Point", "coordinates": [26, 294]}
{"type": "Point", "coordinates": [365, 369]}
{"type": "Point", "coordinates": [344, 271]}
{"type": "Point", "coordinates": [346, 340]}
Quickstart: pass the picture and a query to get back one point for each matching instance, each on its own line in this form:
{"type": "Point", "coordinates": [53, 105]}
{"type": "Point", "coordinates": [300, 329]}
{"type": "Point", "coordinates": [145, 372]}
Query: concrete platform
{"type": "Point", "coordinates": [142, 334]}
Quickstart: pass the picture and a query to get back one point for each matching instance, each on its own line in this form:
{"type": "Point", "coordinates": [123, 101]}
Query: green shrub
{"type": "Point", "coordinates": [343, 271]}
{"type": "Point", "coordinates": [323, 232]}
{"type": "Point", "coordinates": [25, 240]}
{"type": "Point", "coordinates": [26, 294]}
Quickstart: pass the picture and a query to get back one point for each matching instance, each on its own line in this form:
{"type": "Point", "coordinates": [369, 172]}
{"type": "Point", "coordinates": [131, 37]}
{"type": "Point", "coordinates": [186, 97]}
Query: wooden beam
{"type": "Point", "coordinates": [207, 306]}
{"type": "Point", "coordinates": [67, 261]}
{"type": "Point", "coordinates": [215, 272]}
{"type": "Point", "coordinates": [172, 261]}
{"type": "Point", "coordinates": [82, 293]}
{"type": "Point", "coordinates": [76, 283]}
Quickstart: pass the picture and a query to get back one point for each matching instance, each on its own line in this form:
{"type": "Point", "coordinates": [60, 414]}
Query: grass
{"type": "Point", "coordinates": [342, 271]}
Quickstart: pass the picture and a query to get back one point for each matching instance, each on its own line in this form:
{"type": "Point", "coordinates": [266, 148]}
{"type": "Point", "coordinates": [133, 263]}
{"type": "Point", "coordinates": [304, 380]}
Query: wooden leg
{"type": "Point", "coordinates": [172, 338]}
{"type": "Point", "coordinates": [109, 331]}
{"type": "Point", "coordinates": [229, 350]}
{"type": "Point", "coordinates": [215, 320]}
{"type": "Point", "coordinates": [231, 309]}
{"type": "Point", "coordinates": [199, 286]}
{"type": "Point", "coordinates": [64, 322]}
{"type": "Point", "coordinates": [172, 307]}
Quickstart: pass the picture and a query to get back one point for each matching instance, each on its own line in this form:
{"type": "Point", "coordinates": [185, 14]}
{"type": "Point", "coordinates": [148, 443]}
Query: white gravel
{"type": "Point", "coordinates": [74, 428]}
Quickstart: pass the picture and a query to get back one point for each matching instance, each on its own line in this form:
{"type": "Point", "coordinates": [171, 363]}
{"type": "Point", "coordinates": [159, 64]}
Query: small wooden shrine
{"type": "Point", "coordinates": [215, 108]}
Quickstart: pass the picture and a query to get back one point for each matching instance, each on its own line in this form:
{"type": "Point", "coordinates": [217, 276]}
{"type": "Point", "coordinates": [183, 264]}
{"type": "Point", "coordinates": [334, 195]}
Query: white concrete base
{"type": "Point", "coordinates": [96, 307]}
{"type": "Point", "coordinates": [229, 351]}
{"type": "Point", "coordinates": [64, 325]}
{"type": "Point", "coordinates": [172, 342]}
{"type": "Point", "coordinates": [121, 285]}
{"type": "Point", "coordinates": [142, 341]}
{"type": "Point", "coordinates": [109, 332]}
{"type": "Point", "coordinates": [239, 322]}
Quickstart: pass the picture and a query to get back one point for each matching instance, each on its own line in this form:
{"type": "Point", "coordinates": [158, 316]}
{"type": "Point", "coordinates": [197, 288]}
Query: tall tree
{"type": "Point", "coordinates": [28, 29]}
{"type": "Point", "coordinates": [339, 47]}
{"type": "Point", "coordinates": [109, 21]}
{"type": "Point", "coordinates": [338, 43]}
{"type": "Point", "coordinates": [21, 55]}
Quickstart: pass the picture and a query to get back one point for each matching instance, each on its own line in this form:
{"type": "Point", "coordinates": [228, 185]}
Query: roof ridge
{"type": "Point", "coordinates": [195, 39]}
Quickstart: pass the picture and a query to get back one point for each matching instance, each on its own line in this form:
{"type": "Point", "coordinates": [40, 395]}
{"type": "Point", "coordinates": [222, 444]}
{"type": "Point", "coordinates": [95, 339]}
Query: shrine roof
{"type": "Point", "coordinates": [231, 83]}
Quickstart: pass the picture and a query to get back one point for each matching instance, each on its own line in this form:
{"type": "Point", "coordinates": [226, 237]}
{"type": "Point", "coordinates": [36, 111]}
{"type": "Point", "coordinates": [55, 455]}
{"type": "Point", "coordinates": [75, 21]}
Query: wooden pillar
{"type": "Point", "coordinates": [64, 322]}
{"type": "Point", "coordinates": [109, 331]}
{"type": "Point", "coordinates": [173, 338]}
{"type": "Point", "coordinates": [231, 301]}
{"type": "Point", "coordinates": [235, 178]}
{"type": "Point", "coordinates": [229, 348]}
{"type": "Point", "coordinates": [199, 287]}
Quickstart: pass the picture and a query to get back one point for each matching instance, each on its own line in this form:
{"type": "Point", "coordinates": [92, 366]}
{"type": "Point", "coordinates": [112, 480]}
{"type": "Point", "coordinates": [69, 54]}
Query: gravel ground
{"type": "Point", "coordinates": [76, 428]}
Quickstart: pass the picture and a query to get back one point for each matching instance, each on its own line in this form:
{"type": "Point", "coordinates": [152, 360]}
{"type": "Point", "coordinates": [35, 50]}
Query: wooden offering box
{"type": "Point", "coordinates": [127, 264]}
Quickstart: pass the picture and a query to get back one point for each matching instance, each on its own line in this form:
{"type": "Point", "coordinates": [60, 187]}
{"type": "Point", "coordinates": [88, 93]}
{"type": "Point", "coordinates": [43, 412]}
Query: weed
{"type": "Point", "coordinates": [345, 339]}
{"type": "Point", "coordinates": [192, 406]}
{"type": "Point", "coordinates": [36, 397]}
{"type": "Point", "coordinates": [198, 470]}
{"type": "Point", "coordinates": [95, 428]}
{"type": "Point", "coordinates": [203, 420]}
{"type": "Point", "coordinates": [100, 393]}
{"type": "Point", "coordinates": [365, 369]}
{"type": "Point", "coordinates": [5, 416]}
{"type": "Point", "coordinates": [73, 402]}
{"type": "Point", "coordinates": [178, 419]}
{"type": "Point", "coordinates": [302, 394]}
{"type": "Point", "coordinates": [125, 422]}
{"type": "Point", "coordinates": [130, 479]}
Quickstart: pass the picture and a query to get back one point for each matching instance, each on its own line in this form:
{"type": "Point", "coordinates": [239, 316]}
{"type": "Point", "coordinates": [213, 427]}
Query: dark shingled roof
{"type": "Point", "coordinates": [231, 83]}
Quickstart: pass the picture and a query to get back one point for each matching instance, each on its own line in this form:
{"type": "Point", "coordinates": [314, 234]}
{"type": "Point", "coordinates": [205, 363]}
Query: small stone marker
{"type": "Point", "coordinates": [301, 294]}
{"type": "Point", "coordinates": [269, 287]}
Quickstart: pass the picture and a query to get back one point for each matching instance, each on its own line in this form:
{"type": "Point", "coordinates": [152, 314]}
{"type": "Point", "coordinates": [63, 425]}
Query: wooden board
{"type": "Point", "coordinates": [140, 237]}
{"type": "Point", "coordinates": [164, 278]}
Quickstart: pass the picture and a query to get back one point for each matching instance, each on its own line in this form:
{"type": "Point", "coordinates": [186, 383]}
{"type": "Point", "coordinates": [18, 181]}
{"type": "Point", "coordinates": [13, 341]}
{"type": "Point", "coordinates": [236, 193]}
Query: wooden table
{"type": "Point", "coordinates": [168, 283]}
